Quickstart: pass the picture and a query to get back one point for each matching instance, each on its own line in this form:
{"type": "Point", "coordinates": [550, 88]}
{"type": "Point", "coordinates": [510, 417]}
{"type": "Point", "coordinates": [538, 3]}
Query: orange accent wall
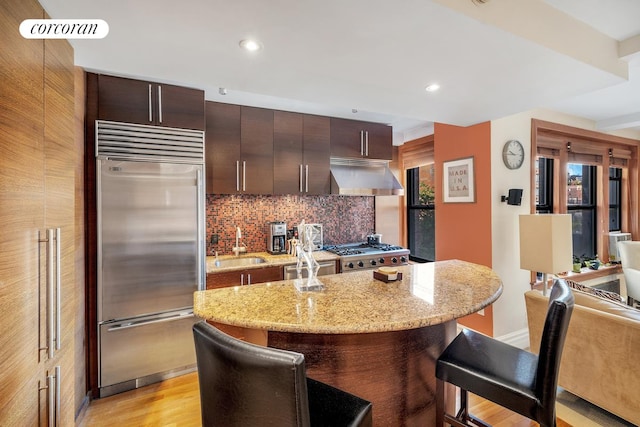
{"type": "Point", "coordinates": [463, 230]}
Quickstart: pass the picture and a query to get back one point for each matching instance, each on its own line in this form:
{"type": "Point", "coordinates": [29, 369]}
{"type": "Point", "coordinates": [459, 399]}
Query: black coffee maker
{"type": "Point", "coordinates": [277, 238]}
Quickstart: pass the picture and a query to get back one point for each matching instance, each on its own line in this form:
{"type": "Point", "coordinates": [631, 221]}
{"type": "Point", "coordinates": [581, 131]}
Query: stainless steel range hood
{"type": "Point", "coordinates": [356, 177]}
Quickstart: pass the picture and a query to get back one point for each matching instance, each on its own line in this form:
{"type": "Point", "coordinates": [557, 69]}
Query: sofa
{"type": "Point", "coordinates": [601, 358]}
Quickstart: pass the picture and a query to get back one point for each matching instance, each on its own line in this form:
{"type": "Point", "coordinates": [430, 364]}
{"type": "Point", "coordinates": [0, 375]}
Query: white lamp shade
{"type": "Point", "coordinates": [546, 243]}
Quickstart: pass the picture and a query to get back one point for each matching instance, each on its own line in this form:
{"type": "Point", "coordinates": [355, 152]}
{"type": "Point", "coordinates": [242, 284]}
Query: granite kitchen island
{"type": "Point", "coordinates": [374, 339]}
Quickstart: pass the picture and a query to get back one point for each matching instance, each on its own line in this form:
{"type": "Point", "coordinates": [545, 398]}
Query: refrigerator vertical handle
{"type": "Point", "coordinates": [200, 229]}
{"type": "Point", "coordinates": [58, 289]}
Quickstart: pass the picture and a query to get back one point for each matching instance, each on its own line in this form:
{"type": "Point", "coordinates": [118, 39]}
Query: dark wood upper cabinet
{"type": "Point", "coordinates": [357, 139]}
{"type": "Point", "coordinates": [239, 149]}
{"type": "Point", "coordinates": [222, 148]}
{"type": "Point", "coordinates": [316, 154]}
{"type": "Point", "coordinates": [148, 103]}
{"type": "Point", "coordinates": [288, 164]}
{"type": "Point", "coordinates": [301, 145]}
{"type": "Point", "coordinates": [256, 125]}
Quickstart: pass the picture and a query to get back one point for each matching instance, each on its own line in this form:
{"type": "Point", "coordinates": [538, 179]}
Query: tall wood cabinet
{"type": "Point", "coordinates": [37, 172]}
{"type": "Point", "coordinates": [239, 149]}
{"type": "Point", "coordinates": [301, 145]}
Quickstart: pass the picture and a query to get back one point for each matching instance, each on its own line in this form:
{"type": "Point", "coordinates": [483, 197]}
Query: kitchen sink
{"type": "Point", "coordinates": [238, 262]}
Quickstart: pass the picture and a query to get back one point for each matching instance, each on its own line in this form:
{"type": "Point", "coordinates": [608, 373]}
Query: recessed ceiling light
{"type": "Point", "coordinates": [250, 45]}
{"type": "Point", "coordinates": [432, 87]}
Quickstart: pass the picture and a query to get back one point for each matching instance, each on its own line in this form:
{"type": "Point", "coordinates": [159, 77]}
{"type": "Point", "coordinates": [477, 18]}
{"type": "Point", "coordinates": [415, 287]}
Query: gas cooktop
{"type": "Point", "coordinates": [362, 248]}
{"type": "Point", "coordinates": [365, 256]}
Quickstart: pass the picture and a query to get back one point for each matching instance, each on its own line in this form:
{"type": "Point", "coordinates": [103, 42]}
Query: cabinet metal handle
{"type": "Point", "coordinates": [53, 398]}
{"type": "Point", "coordinates": [301, 178]}
{"type": "Point", "coordinates": [366, 143]}
{"type": "Point", "coordinates": [150, 104]}
{"type": "Point", "coordinates": [237, 175]}
{"type": "Point", "coordinates": [244, 175]}
{"type": "Point", "coordinates": [362, 143]}
{"type": "Point", "coordinates": [248, 279]}
{"type": "Point", "coordinates": [306, 178]}
{"type": "Point", "coordinates": [54, 285]}
{"type": "Point", "coordinates": [242, 279]}
{"type": "Point", "coordinates": [50, 294]}
{"type": "Point", "coordinates": [58, 384]}
{"type": "Point", "coordinates": [58, 289]}
{"type": "Point", "coordinates": [160, 103]}
{"type": "Point", "coordinates": [54, 291]}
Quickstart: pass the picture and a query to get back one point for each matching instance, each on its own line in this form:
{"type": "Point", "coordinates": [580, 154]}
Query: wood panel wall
{"type": "Point", "coordinates": [21, 212]}
{"type": "Point", "coordinates": [37, 191]}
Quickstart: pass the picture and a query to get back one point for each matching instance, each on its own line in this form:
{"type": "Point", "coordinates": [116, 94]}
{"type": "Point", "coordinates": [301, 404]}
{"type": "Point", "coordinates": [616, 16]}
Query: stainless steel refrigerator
{"type": "Point", "coordinates": [150, 199]}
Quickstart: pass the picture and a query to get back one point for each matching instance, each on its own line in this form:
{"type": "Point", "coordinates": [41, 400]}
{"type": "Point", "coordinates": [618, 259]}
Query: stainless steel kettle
{"type": "Point", "coordinates": [374, 239]}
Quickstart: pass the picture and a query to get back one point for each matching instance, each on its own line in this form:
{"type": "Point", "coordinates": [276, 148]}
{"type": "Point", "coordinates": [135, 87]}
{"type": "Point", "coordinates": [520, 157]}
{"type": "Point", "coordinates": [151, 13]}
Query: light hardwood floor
{"type": "Point", "coordinates": [176, 402]}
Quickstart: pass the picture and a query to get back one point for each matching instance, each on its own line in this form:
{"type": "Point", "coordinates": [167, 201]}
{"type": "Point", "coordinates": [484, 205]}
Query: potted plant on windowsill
{"type": "Point", "coordinates": [577, 264]}
{"type": "Point", "coordinates": [594, 263]}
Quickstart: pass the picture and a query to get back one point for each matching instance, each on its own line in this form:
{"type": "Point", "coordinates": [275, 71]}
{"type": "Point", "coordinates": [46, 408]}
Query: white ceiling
{"type": "Point", "coordinates": [331, 56]}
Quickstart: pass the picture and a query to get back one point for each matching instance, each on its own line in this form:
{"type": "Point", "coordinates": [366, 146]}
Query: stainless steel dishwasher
{"type": "Point", "coordinates": [290, 272]}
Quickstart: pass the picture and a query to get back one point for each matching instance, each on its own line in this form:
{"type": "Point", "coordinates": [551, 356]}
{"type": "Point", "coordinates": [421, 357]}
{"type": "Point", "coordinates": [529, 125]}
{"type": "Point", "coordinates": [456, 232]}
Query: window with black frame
{"type": "Point", "coordinates": [544, 185]}
{"type": "Point", "coordinates": [421, 213]}
{"type": "Point", "coordinates": [582, 205]}
{"type": "Point", "coordinates": [615, 199]}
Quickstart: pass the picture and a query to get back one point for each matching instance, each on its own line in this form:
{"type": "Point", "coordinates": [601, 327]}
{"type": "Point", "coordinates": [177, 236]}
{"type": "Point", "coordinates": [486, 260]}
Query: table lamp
{"type": "Point", "coordinates": [546, 244]}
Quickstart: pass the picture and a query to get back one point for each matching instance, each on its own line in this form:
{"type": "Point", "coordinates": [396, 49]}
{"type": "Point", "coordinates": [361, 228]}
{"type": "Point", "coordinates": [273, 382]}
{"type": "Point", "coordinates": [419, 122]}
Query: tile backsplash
{"type": "Point", "coordinates": [345, 219]}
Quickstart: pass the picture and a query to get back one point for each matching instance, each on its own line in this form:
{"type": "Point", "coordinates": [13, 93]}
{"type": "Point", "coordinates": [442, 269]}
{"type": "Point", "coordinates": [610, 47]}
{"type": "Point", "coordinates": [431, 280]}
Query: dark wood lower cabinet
{"type": "Point", "coordinates": [393, 370]}
{"type": "Point", "coordinates": [234, 278]}
{"type": "Point", "coordinates": [248, 276]}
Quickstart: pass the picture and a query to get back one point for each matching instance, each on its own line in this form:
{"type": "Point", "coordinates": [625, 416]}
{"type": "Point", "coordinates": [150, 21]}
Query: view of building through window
{"type": "Point", "coordinates": [582, 205]}
{"type": "Point", "coordinates": [421, 212]}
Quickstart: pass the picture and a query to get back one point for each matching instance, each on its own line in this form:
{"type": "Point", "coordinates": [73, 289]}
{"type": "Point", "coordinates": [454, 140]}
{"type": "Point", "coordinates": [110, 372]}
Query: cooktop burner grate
{"type": "Point", "coordinates": [362, 249]}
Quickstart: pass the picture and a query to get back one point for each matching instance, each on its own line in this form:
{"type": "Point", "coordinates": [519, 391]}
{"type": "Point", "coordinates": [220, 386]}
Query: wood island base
{"type": "Point", "coordinates": [393, 370]}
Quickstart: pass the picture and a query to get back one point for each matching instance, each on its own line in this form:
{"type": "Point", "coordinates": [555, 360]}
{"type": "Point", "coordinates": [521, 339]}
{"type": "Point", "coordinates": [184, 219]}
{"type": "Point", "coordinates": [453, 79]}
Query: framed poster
{"type": "Point", "coordinates": [459, 181]}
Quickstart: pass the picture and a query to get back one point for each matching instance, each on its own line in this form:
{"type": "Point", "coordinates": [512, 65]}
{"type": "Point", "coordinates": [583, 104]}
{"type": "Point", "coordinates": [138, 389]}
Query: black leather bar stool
{"type": "Point", "coordinates": [245, 385]}
{"type": "Point", "coordinates": [513, 378]}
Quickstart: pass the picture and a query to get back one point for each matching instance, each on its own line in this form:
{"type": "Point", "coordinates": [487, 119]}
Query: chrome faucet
{"type": "Point", "coordinates": [237, 248]}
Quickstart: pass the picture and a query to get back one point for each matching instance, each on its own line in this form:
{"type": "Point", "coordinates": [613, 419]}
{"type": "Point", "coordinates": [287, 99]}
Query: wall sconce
{"type": "Point", "coordinates": [514, 198]}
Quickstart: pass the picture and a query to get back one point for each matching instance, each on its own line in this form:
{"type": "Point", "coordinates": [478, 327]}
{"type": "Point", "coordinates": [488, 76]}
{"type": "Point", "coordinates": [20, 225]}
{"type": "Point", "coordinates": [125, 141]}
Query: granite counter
{"type": "Point", "coordinates": [355, 302]}
{"type": "Point", "coordinates": [374, 339]}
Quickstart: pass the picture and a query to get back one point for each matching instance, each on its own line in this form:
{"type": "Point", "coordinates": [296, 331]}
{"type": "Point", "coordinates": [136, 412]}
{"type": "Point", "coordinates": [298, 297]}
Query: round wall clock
{"type": "Point", "coordinates": [513, 154]}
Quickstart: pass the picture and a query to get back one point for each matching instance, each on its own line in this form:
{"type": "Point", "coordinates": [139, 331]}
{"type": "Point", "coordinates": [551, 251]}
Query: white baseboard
{"type": "Point", "coordinates": [518, 339]}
